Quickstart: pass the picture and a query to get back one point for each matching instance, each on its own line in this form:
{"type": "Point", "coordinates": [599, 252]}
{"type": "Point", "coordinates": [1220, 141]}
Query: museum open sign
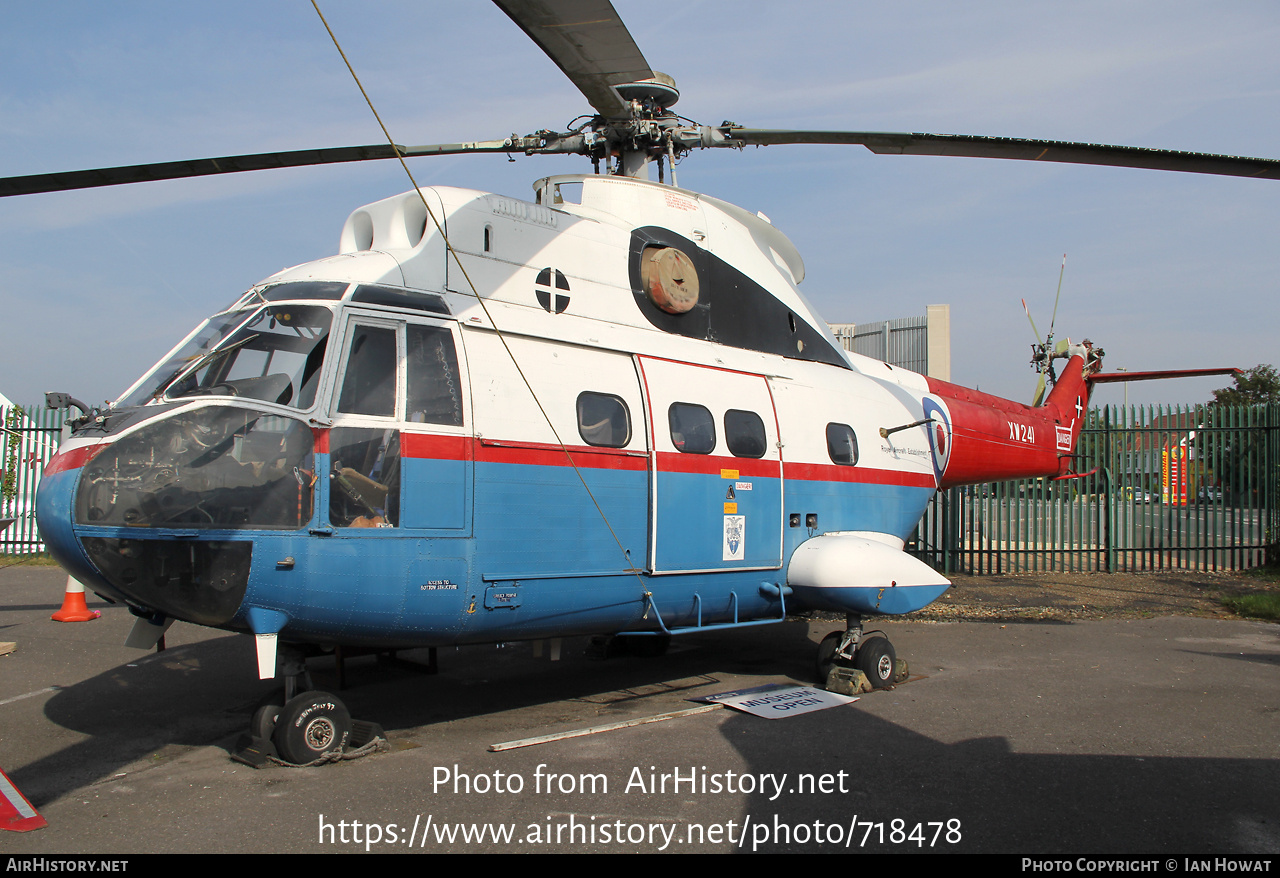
{"type": "Point", "coordinates": [778, 701]}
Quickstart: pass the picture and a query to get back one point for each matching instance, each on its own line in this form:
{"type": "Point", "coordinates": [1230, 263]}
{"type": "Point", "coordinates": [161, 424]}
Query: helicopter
{"type": "Point", "coordinates": [606, 410]}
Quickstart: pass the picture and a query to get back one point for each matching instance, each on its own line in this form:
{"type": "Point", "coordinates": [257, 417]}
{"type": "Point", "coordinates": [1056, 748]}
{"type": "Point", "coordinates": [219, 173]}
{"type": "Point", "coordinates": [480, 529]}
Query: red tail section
{"type": "Point", "coordinates": [994, 439]}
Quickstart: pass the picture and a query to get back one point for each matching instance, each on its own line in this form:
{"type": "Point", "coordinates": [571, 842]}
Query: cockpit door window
{"type": "Point", "coordinates": [369, 375]}
{"type": "Point", "coordinates": [435, 387]}
{"type": "Point", "coordinates": [398, 457]}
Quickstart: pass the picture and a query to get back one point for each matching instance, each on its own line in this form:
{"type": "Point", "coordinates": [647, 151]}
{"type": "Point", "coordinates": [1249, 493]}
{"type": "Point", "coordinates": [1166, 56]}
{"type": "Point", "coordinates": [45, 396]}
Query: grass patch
{"type": "Point", "coordinates": [29, 559]}
{"type": "Point", "coordinates": [1258, 605]}
{"type": "Point", "coordinates": [1264, 574]}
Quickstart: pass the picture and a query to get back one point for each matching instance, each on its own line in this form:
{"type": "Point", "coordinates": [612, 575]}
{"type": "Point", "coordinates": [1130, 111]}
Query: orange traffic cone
{"type": "Point", "coordinates": [74, 608]}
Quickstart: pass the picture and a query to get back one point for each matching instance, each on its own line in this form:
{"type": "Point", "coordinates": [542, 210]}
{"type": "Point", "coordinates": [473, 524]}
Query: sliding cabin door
{"type": "Point", "coordinates": [716, 479]}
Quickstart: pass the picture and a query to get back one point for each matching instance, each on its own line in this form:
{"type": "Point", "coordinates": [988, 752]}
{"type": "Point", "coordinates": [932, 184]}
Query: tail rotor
{"type": "Point", "coordinates": [1043, 353]}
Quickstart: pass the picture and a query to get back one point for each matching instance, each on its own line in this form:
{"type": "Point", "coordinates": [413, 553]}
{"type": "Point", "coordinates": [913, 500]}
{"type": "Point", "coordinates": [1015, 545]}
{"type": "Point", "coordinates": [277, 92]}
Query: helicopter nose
{"type": "Point", "coordinates": [201, 581]}
{"type": "Point", "coordinates": [54, 501]}
{"type": "Point", "coordinates": [165, 516]}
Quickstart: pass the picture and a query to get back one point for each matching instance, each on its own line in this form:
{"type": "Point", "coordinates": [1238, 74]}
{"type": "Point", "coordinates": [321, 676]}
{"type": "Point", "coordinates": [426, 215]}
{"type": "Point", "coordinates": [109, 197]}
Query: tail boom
{"type": "Point", "coordinates": [995, 439]}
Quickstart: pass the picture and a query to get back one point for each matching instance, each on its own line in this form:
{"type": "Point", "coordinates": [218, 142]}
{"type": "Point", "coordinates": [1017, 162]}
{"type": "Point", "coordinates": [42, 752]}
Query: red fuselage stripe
{"type": "Point", "coordinates": [73, 459]}
{"type": "Point", "coordinates": [425, 446]}
{"type": "Point", "coordinates": [418, 445]}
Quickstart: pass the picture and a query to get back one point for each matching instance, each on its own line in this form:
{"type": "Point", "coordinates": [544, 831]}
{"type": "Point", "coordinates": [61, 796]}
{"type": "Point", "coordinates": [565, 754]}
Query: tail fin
{"type": "Point", "coordinates": [1070, 399]}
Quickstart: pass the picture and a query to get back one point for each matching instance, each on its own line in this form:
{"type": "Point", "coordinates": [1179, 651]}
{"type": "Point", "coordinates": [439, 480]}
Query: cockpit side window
{"type": "Point", "coordinates": [364, 480]}
{"type": "Point", "coordinates": [369, 380]}
{"type": "Point", "coordinates": [393, 370]}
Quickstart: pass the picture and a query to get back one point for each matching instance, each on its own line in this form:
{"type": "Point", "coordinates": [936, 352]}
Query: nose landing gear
{"type": "Point", "coordinates": [304, 728]}
{"type": "Point", "coordinates": [869, 652]}
{"type": "Point", "coordinates": [310, 726]}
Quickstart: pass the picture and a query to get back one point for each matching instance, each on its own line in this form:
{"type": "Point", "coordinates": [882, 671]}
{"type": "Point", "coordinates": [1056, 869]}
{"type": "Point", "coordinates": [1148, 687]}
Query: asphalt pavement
{"type": "Point", "coordinates": [1148, 736]}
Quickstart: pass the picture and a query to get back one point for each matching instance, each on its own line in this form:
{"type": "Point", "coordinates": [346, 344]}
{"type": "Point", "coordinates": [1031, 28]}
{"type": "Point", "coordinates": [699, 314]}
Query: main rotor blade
{"type": "Point", "coordinates": [1119, 377]}
{"type": "Point", "coordinates": [885, 143]}
{"type": "Point", "coordinates": [588, 42]}
{"type": "Point", "coordinates": [234, 164]}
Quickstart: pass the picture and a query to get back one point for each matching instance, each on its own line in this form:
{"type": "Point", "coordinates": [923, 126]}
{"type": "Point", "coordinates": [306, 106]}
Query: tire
{"type": "Point", "coordinates": [311, 725]}
{"type": "Point", "coordinates": [878, 661]}
{"type": "Point", "coordinates": [265, 712]}
{"type": "Point", "coordinates": [827, 656]}
{"type": "Point", "coordinates": [263, 724]}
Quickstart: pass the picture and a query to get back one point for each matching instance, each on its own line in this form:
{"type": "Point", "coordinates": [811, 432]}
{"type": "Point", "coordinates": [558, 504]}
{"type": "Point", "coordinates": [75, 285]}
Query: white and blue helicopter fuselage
{"type": "Point", "coordinates": [382, 449]}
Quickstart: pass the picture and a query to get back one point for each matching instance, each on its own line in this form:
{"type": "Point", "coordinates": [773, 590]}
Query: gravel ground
{"type": "Point", "coordinates": [1090, 596]}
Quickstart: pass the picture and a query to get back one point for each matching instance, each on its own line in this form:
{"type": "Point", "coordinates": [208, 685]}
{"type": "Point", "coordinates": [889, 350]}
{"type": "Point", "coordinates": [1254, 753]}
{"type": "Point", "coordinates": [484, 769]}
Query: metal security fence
{"type": "Point", "coordinates": [29, 440]}
{"type": "Point", "coordinates": [1192, 487]}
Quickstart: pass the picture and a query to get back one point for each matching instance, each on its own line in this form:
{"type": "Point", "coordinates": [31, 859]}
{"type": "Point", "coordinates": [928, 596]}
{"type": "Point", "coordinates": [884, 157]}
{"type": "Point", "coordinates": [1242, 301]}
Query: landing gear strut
{"type": "Point", "coordinates": [869, 652]}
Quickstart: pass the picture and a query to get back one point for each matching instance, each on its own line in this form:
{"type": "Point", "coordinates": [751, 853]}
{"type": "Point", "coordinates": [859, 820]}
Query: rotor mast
{"type": "Point", "coordinates": [647, 131]}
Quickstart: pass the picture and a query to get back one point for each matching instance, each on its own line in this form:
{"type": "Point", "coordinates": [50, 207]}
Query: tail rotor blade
{"type": "Point", "coordinates": [1054, 319]}
{"type": "Point", "coordinates": [1034, 331]}
{"type": "Point", "coordinates": [1040, 387]}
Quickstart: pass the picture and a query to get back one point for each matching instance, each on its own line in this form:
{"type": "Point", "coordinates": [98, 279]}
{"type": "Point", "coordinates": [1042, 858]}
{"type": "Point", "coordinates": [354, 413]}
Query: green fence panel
{"type": "Point", "coordinates": [30, 439]}
{"type": "Point", "coordinates": [1160, 487]}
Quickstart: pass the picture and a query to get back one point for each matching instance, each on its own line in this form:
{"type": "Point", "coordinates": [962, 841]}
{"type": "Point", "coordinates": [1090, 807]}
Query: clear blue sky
{"type": "Point", "coordinates": [1164, 270]}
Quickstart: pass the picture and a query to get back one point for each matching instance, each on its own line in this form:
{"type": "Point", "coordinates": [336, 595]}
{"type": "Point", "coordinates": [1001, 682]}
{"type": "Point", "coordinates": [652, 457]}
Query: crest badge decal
{"type": "Point", "coordinates": [735, 538]}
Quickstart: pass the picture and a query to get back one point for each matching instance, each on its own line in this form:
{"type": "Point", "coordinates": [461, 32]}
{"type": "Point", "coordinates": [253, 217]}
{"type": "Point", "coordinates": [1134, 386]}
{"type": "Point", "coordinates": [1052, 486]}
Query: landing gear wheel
{"type": "Point", "coordinates": [309, 726]}
{"type": "Point", "coordinates": [263, 723]}
{"type": "Point", "coordinates": [878, 661]}
{"type": "Point", "coordinates": [265, 713]}
{"type": "Point", "coordinates": [827, 656]}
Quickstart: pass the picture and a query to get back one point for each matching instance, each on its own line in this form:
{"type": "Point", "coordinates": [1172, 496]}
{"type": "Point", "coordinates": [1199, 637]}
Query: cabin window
{"type": "Point", "coordinates": [488, 239]}
{"type": "Point", "coordinates": [693, 430]}
{"type": "Point", "coordinates": [744, 434]}
{"type": "Point", "coordinates": [369, 382]}
{"type": "Point", "coordinates": [842, 444]}
{"type": "Point", "coordinates": [364, 477]}
{"type": "Point", "coordinates": [435, 389]}
{"type": "Point", "coordinates": [603, 420]}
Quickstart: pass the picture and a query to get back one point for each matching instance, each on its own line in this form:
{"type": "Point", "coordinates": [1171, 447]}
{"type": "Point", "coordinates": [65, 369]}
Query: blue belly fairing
{"type": "Point", "coordinates": [870, 601]}
{"type": "Point", "coordinates": [525, 555]}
